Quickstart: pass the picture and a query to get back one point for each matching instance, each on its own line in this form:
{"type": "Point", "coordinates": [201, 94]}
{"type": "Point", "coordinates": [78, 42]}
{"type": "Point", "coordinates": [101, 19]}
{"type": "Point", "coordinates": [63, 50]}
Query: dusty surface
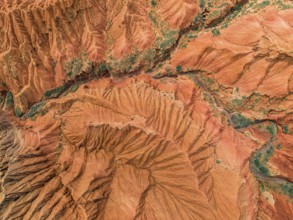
{"type": "Point", "coordinates": [146, 109]}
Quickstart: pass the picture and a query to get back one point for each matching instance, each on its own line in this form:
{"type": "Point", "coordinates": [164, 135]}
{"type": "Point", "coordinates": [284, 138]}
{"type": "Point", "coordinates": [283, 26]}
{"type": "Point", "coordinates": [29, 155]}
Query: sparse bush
{"type": "Point", "coordinates": [272, 129]}
{"type": "Point", "coordinates": [169, 39]}
{"type": "Point", "coordinates": [236, 8]}
{"type": "Point", "coordinates": [59, 149]}
{"type": "Point", "coordinates": [215, 32]}
{"type": "Point", "coordinates": [237, 102]}
{"type": "Point", "coordinates": [263, 170]}
{"type": "Point", "coordinates": [9, 100]}
{"type": "Point", "coordinates": [263, 4]}
{"type": "Point", "coordinates": [74, 67]}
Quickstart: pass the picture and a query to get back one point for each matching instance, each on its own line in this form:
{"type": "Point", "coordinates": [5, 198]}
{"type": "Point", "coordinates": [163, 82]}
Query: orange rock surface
{"type": "Point", "coordinates": [178, 109]}
{"type": "Point", "coordinates": [97, 154]}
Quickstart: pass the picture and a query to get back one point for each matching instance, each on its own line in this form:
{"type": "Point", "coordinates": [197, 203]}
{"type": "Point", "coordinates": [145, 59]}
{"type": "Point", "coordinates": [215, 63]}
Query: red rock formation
{"type": "Point", "coordinates": [126, 147]}
{"type": "Point", "coordinates": [146, 109]}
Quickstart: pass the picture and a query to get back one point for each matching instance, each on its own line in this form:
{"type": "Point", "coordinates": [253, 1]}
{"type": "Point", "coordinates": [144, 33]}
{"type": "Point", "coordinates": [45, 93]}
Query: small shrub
{"type": "Point", "coordinates": [153, 18]}
{"type": "Point", "coordinates": [59, 149]}
{"type": "Point", "coordinates": [236, 8]}
{"type": "Point", "coordinates": [202, 3]}
{"type": "Point", "coordinates": [237, 102]}
{"type": "Point", "coordinates": [256, 162]}
{"type": "Point", "coordinates": [74, 87]}
{"type": "Point", "coordinates": [102, 68]}
{"type": "Point", "coordinates": [168, 43]}
{"type": "Point", "coordinates": [178, 68]}
{"type": "Point", "coordinates": [215, 32]}
{"type": "Point", "coordinates": [285, 129]}
{"type": "Point", "coordinates": [154, 3]}
{"type": "Point", "coordinates": [131, 59]}
{"type": "Point", "coordinates": [18, 112]}
{"type": "Point", "coordinates": [269, 153]}
{"type": "Point", "coordinates": [272, 129]}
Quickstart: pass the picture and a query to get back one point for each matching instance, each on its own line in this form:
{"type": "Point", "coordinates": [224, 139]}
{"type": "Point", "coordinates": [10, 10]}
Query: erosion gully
{"type": "Point", "coordinates": [161, 57]}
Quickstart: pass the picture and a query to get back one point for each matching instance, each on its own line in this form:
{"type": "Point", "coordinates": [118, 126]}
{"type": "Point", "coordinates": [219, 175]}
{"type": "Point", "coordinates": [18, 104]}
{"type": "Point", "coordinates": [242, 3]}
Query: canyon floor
{"type": "Point", "coordinates": [146, 109]}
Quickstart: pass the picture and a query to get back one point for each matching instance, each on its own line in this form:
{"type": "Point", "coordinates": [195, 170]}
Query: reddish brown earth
{"type": "Point", "coordinates": [146, 109]}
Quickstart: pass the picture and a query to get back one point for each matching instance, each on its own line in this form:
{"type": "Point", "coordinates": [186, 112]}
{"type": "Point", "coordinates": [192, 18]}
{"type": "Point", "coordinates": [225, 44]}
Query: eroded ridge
{"type": "Point", "coordinates": [92, 153]}
{"type": "Point", "coordinates": [45, 44]}
{"type": "Point", "coordinates": [206, 134]}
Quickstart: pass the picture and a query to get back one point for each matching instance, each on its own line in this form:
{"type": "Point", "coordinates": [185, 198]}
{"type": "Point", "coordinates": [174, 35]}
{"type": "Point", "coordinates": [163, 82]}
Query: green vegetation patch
{"type": "Point", "coordinates": [152, 16]}
{"type": "Point", "coordinates": [272, 129]}
{"type": "Point", "coordinates": [202, 3]}
{"type": "Point", "coordinates": [34, 110]}
{"type": "Point", "coordinates": [237, 102]}
{"type": "Point", "coordinates": [53, 93]}
{"type": "Point", "coordinates": [287, 189]}
{"type": "Point", "coordinates": [215, 32]}
{"type": "Point", "coordinates": [240, 121]}
{"type": "Point", "coordinates": [269, 153]}
{"type": "Point", "coordinates": [73, 88]}
{"type": "Point", "coordinates": [74, 67]}
{"type": "Point", "coordinates": [18, 112]}
{"type": "Point", "coordinates": [259, 165]}
{"type": "Point", "coordinates": [178, 68]}
{"type": "Point", "coordinates": [169, 39]}
{"type": "Point", "coordinates": [9, 100]}
{"type": "Point", "coordinates": [263, 4]}
{"type": "Point", "coordinates": [285, 129]}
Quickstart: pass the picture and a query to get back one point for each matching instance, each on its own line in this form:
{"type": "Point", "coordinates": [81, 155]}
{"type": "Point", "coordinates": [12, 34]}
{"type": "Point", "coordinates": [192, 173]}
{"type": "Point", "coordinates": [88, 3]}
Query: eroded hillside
{"type": "Point", "coordinates": [146, 109]}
